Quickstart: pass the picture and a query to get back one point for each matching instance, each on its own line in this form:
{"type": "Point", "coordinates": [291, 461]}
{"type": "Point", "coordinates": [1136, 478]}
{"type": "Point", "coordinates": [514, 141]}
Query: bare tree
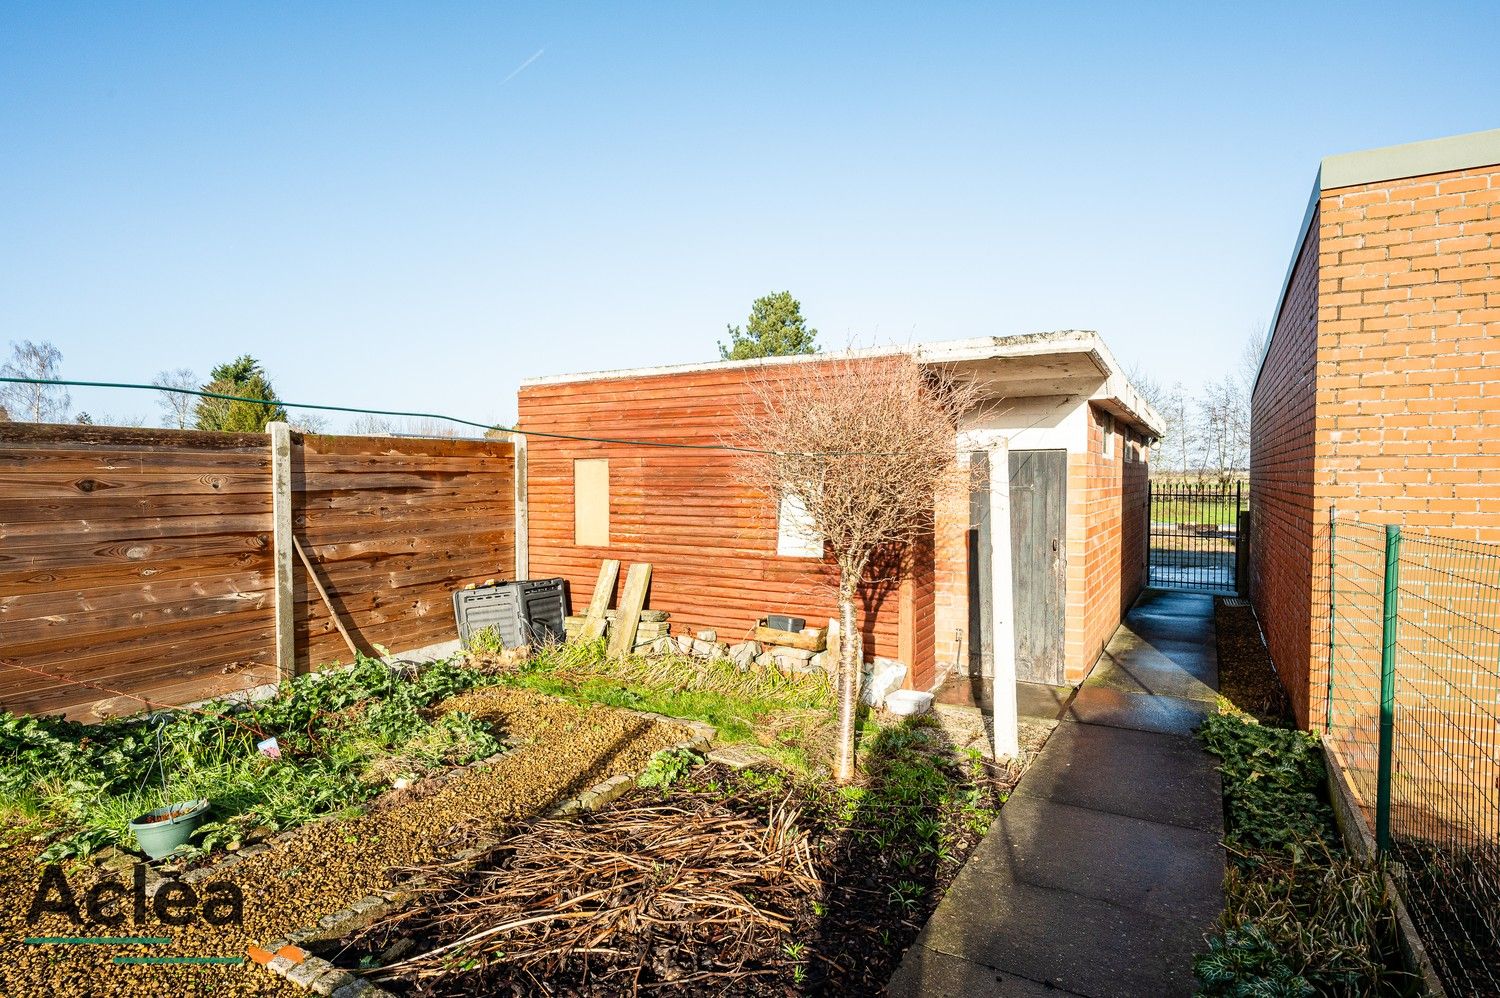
{"type": "Point", "coordinates": [36, 403]}
{"type": "Point", "coordinates": [369, 426]}
{"type": "Point", "coordinates": [864, 446]}
{"type": "Point", "coordinates": [177, 406]}
{"type": "Point", "coordinates": [309, 422]}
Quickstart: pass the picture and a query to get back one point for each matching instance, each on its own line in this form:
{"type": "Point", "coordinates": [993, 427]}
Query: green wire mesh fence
{"type": "Point", "coordinates": [1406, 691]}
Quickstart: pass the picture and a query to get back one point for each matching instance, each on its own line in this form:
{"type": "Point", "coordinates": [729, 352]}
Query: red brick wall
{"type": "Point", "coordinates": [1408, 355]}
{"type": "Point", "coordinates": [1380, 393]}
{"type": "Point", "coordinates": [1109, 508]}
{"type": "Point", "coordinates": [1282, 467]}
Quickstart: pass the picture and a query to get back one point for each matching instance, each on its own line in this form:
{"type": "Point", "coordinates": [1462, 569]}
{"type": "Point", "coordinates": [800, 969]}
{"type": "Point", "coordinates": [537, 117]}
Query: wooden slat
{"type": "Point", "coordinates": [604, 587]}
{"type": "Point", "coordinates": [141, 560]}
{"type": "Point", "coordinates": [628, 614]}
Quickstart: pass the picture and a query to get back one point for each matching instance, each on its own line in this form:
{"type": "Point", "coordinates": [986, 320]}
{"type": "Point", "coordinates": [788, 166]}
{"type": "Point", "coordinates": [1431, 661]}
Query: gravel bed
{"type": "Point", "coordinates": [560, 750]}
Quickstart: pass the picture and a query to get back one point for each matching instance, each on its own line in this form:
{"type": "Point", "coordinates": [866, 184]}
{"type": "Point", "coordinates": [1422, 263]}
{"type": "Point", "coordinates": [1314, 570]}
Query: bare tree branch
{"type": "Point", "coordinates": [866, 445]}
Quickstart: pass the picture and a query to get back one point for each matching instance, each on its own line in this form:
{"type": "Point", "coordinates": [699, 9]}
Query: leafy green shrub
{"type": "Point", "coordinates": [1301, 917]}
{"type": "Point", "coordinates": [669, 766]}
{"type": "Point", "coordinates": [1273, 784]}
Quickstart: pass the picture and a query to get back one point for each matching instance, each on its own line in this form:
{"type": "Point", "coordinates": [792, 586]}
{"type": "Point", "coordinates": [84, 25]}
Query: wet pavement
{"type": "Point", "coordinates": [1104, 871]}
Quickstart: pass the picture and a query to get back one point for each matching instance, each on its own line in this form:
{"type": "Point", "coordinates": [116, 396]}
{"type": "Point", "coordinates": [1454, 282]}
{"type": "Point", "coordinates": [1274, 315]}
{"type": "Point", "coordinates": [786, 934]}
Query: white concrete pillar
{"type": "Point", "coordinates": [281, 548]}
{"type": "Point", "coordinates": [1003, 622]}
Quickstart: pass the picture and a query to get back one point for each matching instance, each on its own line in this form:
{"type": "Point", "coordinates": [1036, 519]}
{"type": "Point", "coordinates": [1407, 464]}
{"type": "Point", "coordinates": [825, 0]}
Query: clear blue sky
{"type": "Point", "coordinates": [381, 204]}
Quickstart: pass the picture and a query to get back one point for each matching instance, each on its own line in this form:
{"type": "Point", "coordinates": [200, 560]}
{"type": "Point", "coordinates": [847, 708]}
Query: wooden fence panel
{"type": "Point", "coordinates": [393, 525]}
{"type": "Point", "coordinates": [135, 560]}
{"type": "Point", "coordinates": [140, 562]}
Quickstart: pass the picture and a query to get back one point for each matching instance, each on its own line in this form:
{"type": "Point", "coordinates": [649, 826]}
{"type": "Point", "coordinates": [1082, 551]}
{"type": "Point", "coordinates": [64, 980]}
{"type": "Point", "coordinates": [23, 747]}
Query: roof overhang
{"type": "Point", "coordinates": [1071, 362]}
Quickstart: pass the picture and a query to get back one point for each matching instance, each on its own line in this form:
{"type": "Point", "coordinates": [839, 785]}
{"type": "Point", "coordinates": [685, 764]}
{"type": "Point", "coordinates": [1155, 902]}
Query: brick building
{"type": "Point", "coordinates": [1076, 434]}
{"type": "Point", "coordinates": [1379, 392]}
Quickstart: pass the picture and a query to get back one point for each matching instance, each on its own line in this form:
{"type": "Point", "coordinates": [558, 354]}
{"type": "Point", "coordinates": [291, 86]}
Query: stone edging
{"type": "Point", "coordinates": [287, 959]}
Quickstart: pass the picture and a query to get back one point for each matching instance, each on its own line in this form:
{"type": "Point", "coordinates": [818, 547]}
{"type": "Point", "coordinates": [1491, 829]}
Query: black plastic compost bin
{"type": "Point", "coordinates": [520, 612]}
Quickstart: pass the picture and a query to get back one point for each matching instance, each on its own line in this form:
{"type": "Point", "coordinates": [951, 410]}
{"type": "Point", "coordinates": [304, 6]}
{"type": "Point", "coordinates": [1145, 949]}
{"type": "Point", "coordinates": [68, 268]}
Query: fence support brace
{"type": "Point", "coordinates": [281, 548]}
{"type": "Point", "coordinates": [1387, 690]}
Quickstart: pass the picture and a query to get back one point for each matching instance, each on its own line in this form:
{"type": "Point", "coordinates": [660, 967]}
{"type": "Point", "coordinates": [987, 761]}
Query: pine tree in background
{"type": "Point", "coordinates": [243, 377]}
{"type": "Point", "coordinates": [775, 329]}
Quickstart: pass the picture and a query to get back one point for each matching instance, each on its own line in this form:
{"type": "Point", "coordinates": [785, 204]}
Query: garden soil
{"type": "Point", "coordinates": [559, 750]}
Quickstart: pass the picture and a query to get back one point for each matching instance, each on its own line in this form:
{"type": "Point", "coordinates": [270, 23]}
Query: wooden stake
{"type": "Point", "coordinates": [628, 615]}
{"type": "Point", "coordinates": [318, 585]}
{"type": "Point", "coordinates": [604, 588]}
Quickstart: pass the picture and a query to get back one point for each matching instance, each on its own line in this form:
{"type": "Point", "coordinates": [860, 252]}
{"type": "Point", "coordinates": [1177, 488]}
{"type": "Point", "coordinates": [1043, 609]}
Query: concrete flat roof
{"type": "Point", "coordinates": [1038, 363]}
{"type": "Point", "coordinates": [1413, 159]}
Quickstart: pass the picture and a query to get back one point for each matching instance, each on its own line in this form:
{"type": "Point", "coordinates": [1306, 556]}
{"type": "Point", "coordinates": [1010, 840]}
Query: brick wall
{"type": "Point", "coordinates": [1106, 542]}
{"type": "Point", "coordinates": [1408, 356]}
{"type": "Point", "coordinates": [951, 575]}
{"type": "Point", "coordinates": [1282, 450]}
{"type": "Point", "coordinates": [1380, 393]}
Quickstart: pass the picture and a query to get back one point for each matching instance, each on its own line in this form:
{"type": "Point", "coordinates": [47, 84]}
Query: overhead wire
{"type": "Point", "coordinates": [487, 427]}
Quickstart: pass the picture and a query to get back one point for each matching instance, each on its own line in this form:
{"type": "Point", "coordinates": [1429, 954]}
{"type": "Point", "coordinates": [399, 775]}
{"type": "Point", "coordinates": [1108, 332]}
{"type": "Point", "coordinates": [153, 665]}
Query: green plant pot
{"type": "Point", "coordinates": [159, 835]}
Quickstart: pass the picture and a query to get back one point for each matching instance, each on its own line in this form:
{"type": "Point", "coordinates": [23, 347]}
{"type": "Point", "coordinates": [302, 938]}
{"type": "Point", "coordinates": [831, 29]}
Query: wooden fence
{"type": "Point", "coordinates": [145, 562]}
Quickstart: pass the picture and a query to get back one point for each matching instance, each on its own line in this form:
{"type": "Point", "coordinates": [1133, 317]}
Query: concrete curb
{"type": "Point", "coordinates": [1359, 839]}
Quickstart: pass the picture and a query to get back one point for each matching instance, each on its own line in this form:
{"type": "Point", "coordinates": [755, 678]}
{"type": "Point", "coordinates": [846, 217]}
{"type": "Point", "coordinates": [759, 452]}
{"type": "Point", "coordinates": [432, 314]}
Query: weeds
{"type": "Point", "coordinates": [1301, 917]}
{"type": "Point", "coordinates": [341, 737]}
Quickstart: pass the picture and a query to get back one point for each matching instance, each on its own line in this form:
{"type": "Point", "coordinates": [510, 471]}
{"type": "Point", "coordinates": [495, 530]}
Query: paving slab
{"type": "Point", "coordinates": [1069, 941]}
{"type": "Point", "coordinates": [1145, 866]}
{"type": "Point", "coordinates": [1135, 666]}
{"type": "Point", "coordinates": [1138, 711]}
{"type": "Point", "coordinates": [1104, 871]}
{"type": "Point", "coordinates": [931, 974]}
{"type": "Point", "coordinates": [1139, 774]}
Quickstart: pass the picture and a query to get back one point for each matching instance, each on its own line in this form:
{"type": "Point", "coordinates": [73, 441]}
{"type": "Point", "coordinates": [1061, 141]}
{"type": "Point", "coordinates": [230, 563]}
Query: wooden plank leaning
{"type": "Point", "coordinates": [628, 614]}
{"type": "Point", "coordinates": [593, 623]}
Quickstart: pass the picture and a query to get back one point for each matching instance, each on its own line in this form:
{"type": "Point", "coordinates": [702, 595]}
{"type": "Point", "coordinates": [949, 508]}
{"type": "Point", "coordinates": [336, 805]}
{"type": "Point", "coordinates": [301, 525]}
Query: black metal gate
{"type": "Point", "coordinates": [1194, 535]}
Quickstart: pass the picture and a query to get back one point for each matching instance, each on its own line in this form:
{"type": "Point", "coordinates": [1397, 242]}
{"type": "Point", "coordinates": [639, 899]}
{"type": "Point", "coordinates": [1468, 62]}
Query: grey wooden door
{"type": "Point", "coordinates": [1038, 539]}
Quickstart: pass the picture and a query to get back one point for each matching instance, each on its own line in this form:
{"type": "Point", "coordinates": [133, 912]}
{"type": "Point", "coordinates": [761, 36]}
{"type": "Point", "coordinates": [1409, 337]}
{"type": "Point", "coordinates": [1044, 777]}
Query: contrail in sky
{"type": "Point", "coordinates": [517, 71]}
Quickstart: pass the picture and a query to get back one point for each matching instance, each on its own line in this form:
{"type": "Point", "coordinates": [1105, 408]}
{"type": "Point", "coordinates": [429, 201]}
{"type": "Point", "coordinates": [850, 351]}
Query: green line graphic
{"type": "Point", "coordinates": [98, 940]}
{"type": "Point", "coordinates": [178, 959]}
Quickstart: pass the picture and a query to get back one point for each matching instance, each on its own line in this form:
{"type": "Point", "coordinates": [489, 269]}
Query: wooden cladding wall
{"type": "Point", "coordinates": [141, 560]}
{"type": "Point", "coordinates": [710, 539]}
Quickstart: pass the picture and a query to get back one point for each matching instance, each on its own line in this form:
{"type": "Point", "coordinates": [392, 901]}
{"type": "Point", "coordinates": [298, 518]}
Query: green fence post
{"type": "Point", "coordinates": [1387, 691]}
{"type": "Point", "coordinates": [1332, 622]}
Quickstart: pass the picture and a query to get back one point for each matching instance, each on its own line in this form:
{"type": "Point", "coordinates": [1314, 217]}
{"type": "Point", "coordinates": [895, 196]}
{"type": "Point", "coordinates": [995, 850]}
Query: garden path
{"type": "Point", "coordinates": [1105, 868]}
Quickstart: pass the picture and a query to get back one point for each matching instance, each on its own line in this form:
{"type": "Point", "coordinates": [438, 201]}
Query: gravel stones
{"type": "Point", "coordinates": [560, 750]}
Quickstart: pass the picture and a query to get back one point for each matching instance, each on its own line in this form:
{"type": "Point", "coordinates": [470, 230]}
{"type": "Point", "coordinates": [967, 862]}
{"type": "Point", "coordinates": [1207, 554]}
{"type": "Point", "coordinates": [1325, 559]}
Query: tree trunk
{"type": "Point", "coordinates": [849, 675]}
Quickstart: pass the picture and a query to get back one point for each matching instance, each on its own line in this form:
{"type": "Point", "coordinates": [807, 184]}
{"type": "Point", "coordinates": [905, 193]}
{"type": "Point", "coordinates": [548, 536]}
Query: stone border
{"type": "Point", "coordinates": [1358, 838]}
{"type": "Point", "coordinates": [286, 958]}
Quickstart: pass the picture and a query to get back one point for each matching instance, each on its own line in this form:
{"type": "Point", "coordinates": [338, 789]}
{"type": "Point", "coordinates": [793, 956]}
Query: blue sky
{"type": "Point", "coordinates": [390, 206]}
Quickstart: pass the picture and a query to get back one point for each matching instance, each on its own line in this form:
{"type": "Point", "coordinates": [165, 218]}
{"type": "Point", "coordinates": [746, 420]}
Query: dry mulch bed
{"type": "Point", "coordinates": [1247, 678]}
{"type": "Point", "coordinates": [732, 884]}
{"type": "Point", "coordinates": [560, 750]}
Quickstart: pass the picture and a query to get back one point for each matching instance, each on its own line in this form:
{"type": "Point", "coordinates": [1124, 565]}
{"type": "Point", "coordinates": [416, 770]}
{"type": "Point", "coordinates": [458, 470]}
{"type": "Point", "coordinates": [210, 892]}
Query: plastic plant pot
{"type": "Point", "coordinates": [162, 831]}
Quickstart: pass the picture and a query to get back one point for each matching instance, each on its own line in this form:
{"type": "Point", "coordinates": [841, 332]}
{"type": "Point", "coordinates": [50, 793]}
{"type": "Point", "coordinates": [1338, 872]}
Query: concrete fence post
{"type": "Point", "coordinates": [1003, 612]}
{"type": "Point", "coordinates": [281, 548]}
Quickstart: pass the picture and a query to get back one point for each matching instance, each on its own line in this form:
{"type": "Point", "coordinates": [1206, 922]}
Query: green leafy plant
{"type": "Point", "coordinates": [1301, 916]}
{"type": "Point", "coordinates": [668, 767]}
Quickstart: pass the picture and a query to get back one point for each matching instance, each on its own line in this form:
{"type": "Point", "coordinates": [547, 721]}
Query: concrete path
{"type": "Point", "coordinates": [1104, 869]}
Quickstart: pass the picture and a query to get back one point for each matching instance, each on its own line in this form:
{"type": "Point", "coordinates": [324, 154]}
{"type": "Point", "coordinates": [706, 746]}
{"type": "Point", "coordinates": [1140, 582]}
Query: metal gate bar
{"type": "Point", "coordinates": [1193, 535]}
